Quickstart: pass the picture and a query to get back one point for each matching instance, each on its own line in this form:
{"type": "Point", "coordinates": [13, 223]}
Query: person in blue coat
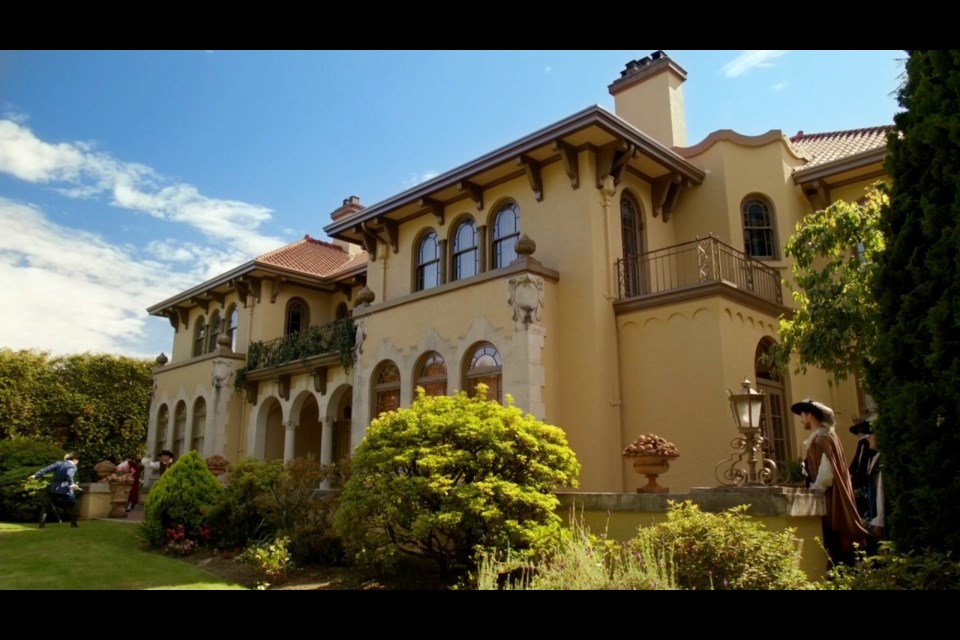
{"type": "Point", "coordinates": [61, 496]}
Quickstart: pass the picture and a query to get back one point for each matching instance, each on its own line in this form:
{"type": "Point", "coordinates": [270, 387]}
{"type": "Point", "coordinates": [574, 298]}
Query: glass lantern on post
{"type": "Point", "coordinates": [742, 467]}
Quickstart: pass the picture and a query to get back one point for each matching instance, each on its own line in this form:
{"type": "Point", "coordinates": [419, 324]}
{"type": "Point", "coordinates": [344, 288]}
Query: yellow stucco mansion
{"type": "Point", "coordinates": [610, 277]}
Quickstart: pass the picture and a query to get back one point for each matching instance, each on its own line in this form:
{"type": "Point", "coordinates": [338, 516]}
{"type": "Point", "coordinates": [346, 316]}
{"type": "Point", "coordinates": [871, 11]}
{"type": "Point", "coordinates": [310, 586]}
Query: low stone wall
{"type": "Point", "coordinates": [95, 500]}
{"type": "Point", "coordinates": [778, 508]}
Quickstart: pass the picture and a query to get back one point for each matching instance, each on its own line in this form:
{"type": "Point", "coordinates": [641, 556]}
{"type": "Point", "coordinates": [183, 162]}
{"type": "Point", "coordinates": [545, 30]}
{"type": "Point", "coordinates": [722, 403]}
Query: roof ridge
{"type": "Point", "coordinates": [307, 237]}
{"type": "Point", "coordinates": [800, 135]}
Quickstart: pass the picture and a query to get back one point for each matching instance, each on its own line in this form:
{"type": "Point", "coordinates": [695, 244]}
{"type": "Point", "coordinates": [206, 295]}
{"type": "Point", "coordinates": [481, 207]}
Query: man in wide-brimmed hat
{"type": "Point", "coordinates": [826, 472]}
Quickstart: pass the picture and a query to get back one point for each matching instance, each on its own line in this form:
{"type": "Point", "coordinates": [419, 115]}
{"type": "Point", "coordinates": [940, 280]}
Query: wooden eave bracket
{"type": "Point", "coordinates": [217, 297]}
{"type": "Point", "coordinates": [475, 192]}
{"type": "Point", "coordinates": [252, 389]}
{"type": "Point", "coordinates": [392, 227]}
{"type": "Point", "coordinates": [320, 380]}
{"type": "Point", "coordinates": [612, 161]}
{"type": "Point", "coordinates": [173, 317]}
{"type": "Point", "coordinates": [818, 193]}
{"type": "Point", "coordinates": [370, 239]}
{"type": "Point", "coordinates": [435, 207]}
{"type": "Point", "coordinates": [283, 386]}
{"type": "Point", "coordinates": [202, 303]}
{"type": "Point", "coordinates": [571, 161]}
{"type": "Point", "coordinates": [276, 284]}
{"type": "Point", "coordinates": [666, 192]}
{"type": "Point", "coordinates": [247, 286]}
{"type": "Point", "coordinates": [532, 168]}
{"type": "Point", "coordinates": [184, 315]}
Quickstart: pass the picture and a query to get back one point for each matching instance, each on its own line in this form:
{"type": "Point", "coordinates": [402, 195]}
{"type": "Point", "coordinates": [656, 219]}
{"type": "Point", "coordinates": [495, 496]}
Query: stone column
{"type": "Point", "coordinates": [482, 247]}
{"type": "Point", "coordinates": [527, 375]}
{"type": "Point", "coordinates": [326, 448]}
{"type": "Point", "coordinates": [442, 250]}
{"type": "Point", "coordinates": [289, 440]}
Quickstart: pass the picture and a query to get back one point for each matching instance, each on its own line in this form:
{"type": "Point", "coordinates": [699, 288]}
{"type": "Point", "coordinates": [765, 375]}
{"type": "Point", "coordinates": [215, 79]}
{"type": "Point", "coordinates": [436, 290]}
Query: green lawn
{"type": "Point", "coordinates": [100, 554]}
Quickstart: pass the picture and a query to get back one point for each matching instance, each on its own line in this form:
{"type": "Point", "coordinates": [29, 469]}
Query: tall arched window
{"type": "Point", "coordinates": [484, 365]}
{"type": "Point", "coordinates": [774, 421]}
{"type": "Point", "coordinates": [631, 234]}
{"type": "Point", "coordinates": [342, 312]}
{"type": "Point", "coordinates": [200, 336]}
{"type": "Point", "coordinates": [298, 316]}
{"type": "Point", "coordinates": [214, 330]}
{"type": "Point", "coordinates": [386, 388]}
{"type": "Point", "coordinates": [199, 424]}
{"type": "Point", "coordinates": [506, 232]}
{"type": "Point", "coordinates": [234, 319]}
{"type": "Point", "coordinates": [759, 239]}
{"type": "Point", "coordinates": [163, 423]}
{"type": "Point", "coordinates": [179, 428]}
{"type": "Point", "coordinates": [431, 374]}
{"type": "Point", "coordinates": [428, 262]}
{"type": "Point", "coordinates": [465, 255]}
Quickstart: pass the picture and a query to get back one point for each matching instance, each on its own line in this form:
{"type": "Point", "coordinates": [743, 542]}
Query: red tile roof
{"type": "Point", "coordinates": [834, 145]}
{"type": "Point", "coordinates": [314, 257]}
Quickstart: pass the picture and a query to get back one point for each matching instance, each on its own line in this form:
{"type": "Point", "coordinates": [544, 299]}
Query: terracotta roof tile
{"type": "Point", "coordinates": [314, 257]}
{"type": "Point", "coordinates": [834, 145]}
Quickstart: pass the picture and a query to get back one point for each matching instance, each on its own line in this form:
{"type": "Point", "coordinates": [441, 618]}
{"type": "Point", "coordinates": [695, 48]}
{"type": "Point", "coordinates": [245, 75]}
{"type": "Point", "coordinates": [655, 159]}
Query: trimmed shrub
{"type": "Point", "coordinates": [20, 500]}
{"type": "Point", "coordinates": [724, 550]}
{"type": "Point", "coordinates": [295, 509]}
{"type": "Point", "coordinates": [182, 496]}
{"type": "Point", "coordinates": [236, 518]}
{"type": "Point", "coordinates": [452, 476]}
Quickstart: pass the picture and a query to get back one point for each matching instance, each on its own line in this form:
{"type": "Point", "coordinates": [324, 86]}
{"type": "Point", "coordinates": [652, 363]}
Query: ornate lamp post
{"type": "Point", "coordinates": [741, 467]}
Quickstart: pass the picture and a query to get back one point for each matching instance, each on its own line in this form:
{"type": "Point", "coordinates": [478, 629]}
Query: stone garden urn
{"type": "Point", "coordinates": [120, 487]}
{"type": "Point", "coordinates": [104, 468]}
{"type": "Point", "coordinates": [651, 456]}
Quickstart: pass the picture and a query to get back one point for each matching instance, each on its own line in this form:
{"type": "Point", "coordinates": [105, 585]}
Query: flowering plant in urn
{"type": "Point", "coordinates": [651, 445]}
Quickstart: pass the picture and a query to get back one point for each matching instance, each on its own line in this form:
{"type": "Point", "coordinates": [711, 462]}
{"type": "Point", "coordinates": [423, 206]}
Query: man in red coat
{"type": "Point", "coordinates": [826, 471]}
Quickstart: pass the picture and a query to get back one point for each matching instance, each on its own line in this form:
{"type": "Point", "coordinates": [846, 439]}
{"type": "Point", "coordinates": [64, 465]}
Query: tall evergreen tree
{"type": "Point", "coordinates": [916, 373]}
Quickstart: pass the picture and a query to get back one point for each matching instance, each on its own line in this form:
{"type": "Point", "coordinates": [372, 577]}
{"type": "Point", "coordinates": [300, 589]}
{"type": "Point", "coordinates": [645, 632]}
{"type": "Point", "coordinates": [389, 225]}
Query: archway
{"type": "Point", "coordinates": [307, 438]}
{"type": "Point", "coordinates": [270, 431]}
{"type": "Point", "coordinates": [340, 415]}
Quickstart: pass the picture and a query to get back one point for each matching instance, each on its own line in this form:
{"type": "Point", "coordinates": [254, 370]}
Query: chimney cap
{"type": "Point", "coordinates": [637, 70]}
{"type": "Point", "coordinates": [350, 206]}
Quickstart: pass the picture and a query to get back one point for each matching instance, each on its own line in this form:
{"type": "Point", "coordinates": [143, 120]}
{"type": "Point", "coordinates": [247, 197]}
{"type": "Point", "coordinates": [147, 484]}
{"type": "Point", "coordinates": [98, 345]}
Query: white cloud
{"type": "Point", "coordinates": [749, 60]}
{"type": "Point", "coordinates": [780, 86]}
{"type": "Point", "coordinates": [70, 291]}
{"type": "Point", "coordinates": [81, 172]}
{"type": "Point", "coordinates": [417, 178]}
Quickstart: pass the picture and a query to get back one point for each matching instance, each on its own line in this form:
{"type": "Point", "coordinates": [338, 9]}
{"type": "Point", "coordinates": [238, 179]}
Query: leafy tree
{"type": "Point", "coordinates": [95, 404]}
{"type": "Point", "coordinates": [834, 323]}
{"type": "Point", "coordinates": [916, 377]}
{"type": "Point", "coordinates": [20, 499]}
{"type": "Point", "coordinates": [451, 476]}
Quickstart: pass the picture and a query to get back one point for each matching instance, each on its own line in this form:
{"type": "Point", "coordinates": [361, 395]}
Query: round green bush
{"type": "Point", "coordinates": [452, 476]}
{"type": "Point", "coordinates": [182, 496]}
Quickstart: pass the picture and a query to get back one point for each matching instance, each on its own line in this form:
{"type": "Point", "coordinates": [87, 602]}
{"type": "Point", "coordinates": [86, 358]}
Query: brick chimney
{"type": "Point", "coordinates": [649, 95]}
{"type": "Point", "coordinates": [349, 207]}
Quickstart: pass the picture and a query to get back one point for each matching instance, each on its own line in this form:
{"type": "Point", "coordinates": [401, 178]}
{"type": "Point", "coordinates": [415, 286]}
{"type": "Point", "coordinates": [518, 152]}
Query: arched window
{"type": "Point", "coordinates": [774, 421]}
{"type": "Point", "coordinates": [465, 255]}
{"type": "Point", "coordinates": [234, 319]}
{"type": "Point", "coordinates": [484, 365]}
{"type": "Point", "coordinates": [163, 423]}
{"type": "Point", "coordinates": [631, 234]}
{"type": "Point", "coordinates": [199, 424]}
{"type": "Point", "coordinates": [342, 312]}
{"type": "Point", "coordinates": [214, 330]}
{"type": "Point", "coordinates": [179, 428]}
{"type": "Point", "coordinates": [759, 239]}
{"type": "Point", "coordinates": [428, 262]}
{"type": "Point", "coordinates": [386, 388]}
{"type": "Point", "coordinates": [200, 337]}
{"type": "Point", "coordinates": [431, 374]}
{"type": "Point", "coordinates": [506, 232]}
{"type": "Point", "coordinates": [298, 316]}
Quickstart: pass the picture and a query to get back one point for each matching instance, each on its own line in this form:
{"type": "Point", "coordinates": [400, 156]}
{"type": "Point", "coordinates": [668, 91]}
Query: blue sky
{"type": "Point", "coordinates": [127, 176]}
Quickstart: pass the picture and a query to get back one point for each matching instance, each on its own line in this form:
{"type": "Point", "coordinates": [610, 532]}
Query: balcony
{"type": "Point", "coordinates": [311, 351]}
{"type": "Point", "coordinates": [694, 265]}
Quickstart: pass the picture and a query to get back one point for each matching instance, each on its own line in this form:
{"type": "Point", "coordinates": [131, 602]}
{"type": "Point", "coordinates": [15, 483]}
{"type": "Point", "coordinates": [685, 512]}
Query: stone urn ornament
{"type": "Point", "coordinates": [651, 456]}
{"type": "Point", "coordinates": [103, 469]}
{"type": "Point", "coordinates": [217, 465]}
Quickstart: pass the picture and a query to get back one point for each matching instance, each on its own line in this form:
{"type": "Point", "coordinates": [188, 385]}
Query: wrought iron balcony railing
{"type": "Point", "coordinates": [334, 337]}
{"type": "Point", "coordinates": [696, 263]}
